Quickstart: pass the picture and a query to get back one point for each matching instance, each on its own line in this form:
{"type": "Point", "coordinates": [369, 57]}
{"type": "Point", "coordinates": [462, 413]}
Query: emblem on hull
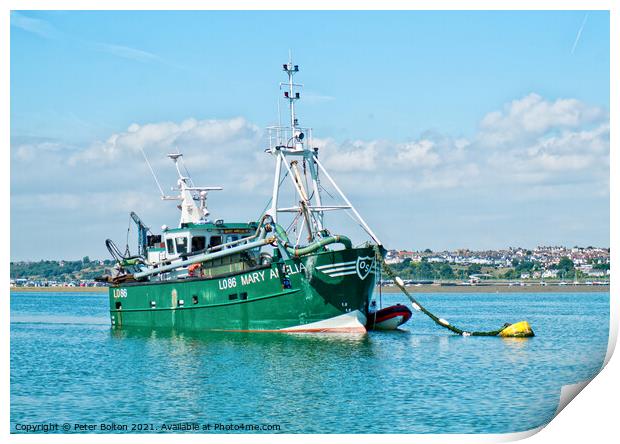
{"type": "Point", "coordinates": [364, 265]}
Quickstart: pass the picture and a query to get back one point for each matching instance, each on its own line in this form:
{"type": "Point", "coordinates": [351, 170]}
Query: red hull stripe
{"type": "Point", "coordinates": [359, 329]}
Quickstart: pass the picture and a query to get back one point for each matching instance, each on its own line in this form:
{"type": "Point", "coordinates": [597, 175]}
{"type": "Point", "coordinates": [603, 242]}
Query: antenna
{"type": "Point", "coordinates": [161, 190]}
{"type": "Point", "coordinates": [291, 95]}
{"type": "Point", "coordinates": [175, 158]}
{"type": "Point", "coordinates": [279, 114]}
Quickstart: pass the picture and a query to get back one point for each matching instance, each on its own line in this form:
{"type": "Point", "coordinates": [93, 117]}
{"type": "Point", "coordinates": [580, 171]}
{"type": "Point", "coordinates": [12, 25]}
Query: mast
{"type": "Point", "coordinates": [291, 95]}
{"type": "Point", "coordinates": [292, 148]}
{"type": "Point", "coordinates": [193, 199]}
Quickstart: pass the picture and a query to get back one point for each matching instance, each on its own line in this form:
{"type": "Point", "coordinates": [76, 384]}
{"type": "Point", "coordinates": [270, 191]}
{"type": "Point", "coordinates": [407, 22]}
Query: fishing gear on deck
{"type": "Point", "coordinates": [518, 330]}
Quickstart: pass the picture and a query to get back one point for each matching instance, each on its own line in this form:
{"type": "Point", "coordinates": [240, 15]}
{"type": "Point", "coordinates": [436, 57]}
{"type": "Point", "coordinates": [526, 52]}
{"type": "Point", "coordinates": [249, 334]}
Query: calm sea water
{"type": "Point", "coordinates": [69, 366]}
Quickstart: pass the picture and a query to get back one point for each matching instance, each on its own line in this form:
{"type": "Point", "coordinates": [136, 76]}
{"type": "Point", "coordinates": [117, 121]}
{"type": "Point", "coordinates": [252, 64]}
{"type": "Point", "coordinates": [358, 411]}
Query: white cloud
{"type": "Point", "coordinates": [127, 52]}
{"type": "Point", "coordinates": [430, 162]}
{"type": "Point", "coordinates": [532, 116]}
{"type": "Point", "coordinates": [418, 153]}
{"type": "Point", "coordinates": [93, 204]}
{"type": "Point", "coordinates": [213, 138]}
{"type": "Point", "coordinates": [533, 140]}
{"type": "Point", "coordinates": [30, 151]}
{"type": "Point", "coordinates": [531, 149]}
{"type": "Point", "coordinates": [357, 155]}
{"type": "Point", "coordinates": [563, 157]}
{"type": "Point", "coordinates": [33, 25]}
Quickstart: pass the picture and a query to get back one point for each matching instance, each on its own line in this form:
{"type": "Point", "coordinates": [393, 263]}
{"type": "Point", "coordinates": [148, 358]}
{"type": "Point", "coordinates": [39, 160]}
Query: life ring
{"type": "Point", "coordinates": [192, 269]}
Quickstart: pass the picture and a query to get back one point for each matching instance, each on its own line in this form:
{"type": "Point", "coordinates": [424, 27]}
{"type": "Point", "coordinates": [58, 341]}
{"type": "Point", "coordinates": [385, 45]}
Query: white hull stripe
{"type": "Point", "coordinates": [344, 271]}
{"type": "Point", "coordinates": [342, 274]}
{"type": "Point", "coordinates": [347, 269]}
{"type": "Point", "coordinates": [340, 264]}
{"type": "Point", "coordinates": [352, 322]}
{"type": "Point", "coordinates": [335, 270]}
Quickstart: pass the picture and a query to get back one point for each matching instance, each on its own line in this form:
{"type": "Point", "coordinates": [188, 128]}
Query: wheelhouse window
{"type": "Point", "coordinates": [181, 244]}
{"type": "Point", "coordinates": [231, 238]}
{"type": "Point", "coordinates": [215, 241]}
{"type": "Point", "coordinates": [170, 246]}
{"type": "Point", "coordinates": [198, 243]}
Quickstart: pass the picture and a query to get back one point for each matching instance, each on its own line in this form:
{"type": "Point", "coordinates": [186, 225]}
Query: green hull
{"type": "Point", "coordinates": [327, 291]}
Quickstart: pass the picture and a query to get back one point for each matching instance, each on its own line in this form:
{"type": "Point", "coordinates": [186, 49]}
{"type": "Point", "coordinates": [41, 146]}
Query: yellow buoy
{"type": "Point", "coordinates": [519, 330]}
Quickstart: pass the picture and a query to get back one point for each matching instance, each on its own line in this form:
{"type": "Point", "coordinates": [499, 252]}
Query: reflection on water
{"type": "Point", "coordinates": [69, 365]}
{"type": "Point", "coordinates": [58, 319]}
{"type": "Point", "coordinates": [255, 337]}
{"type": "Point", "coordinates": [516, 344]}
{"type": "Point", "coordinates": [517, 350]}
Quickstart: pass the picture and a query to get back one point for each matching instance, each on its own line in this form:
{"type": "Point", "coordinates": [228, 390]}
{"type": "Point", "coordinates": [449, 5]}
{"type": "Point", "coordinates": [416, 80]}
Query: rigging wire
{"type": "Point", "coordinates": [161, 190]}
{"type": "Point", "coordinates": [354, 219]}
{"type": "Point", "coordinates": [294, 223]}
{"type": "Point", "coordinates": [328, 193]}
{"type": "Point", "coordinates": [189, 176]}
{"type": "Point", "coordinates": [271, 198]}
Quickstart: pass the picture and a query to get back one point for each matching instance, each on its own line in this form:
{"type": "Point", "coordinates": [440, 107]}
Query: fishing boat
{"type": "Point", "coordinates": [214, 274]}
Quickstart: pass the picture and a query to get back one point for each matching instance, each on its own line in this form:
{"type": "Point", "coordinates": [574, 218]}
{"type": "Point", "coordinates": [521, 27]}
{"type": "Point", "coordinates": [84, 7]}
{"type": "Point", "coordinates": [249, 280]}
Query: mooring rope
{"type": "Point", "coordinates": [523, 329]}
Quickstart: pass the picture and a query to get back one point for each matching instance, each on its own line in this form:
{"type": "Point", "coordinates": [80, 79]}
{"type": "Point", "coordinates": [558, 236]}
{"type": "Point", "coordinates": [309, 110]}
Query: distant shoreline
{"type": "Point", "coordinates": [426, 288]}
{"type": "Point", "coordinates": [60, 289]}
{"type": "Point", "coordinates": [493, 288]}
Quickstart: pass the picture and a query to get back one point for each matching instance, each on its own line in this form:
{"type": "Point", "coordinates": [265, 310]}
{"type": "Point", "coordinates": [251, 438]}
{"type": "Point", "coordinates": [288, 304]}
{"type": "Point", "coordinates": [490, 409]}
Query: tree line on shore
{"type": "Point", "coordinates": [408, 269]}
{"type": "Point", "coordinates": [61, 271]}
{"type": "Point", "coordinates": [425, 270]}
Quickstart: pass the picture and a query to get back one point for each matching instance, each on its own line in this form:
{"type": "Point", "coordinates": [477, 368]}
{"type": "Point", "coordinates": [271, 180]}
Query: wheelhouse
{"type": "Point", "coordinates": [195, 238]}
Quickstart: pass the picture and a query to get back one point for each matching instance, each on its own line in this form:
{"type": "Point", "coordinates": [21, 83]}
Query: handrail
{"type": "Point", "coordinates": [204, 257]}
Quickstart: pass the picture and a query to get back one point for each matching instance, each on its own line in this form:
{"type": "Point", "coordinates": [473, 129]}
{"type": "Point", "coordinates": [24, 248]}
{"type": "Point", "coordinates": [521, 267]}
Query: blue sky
{"type": "Point", "coordinates": [447, 129]}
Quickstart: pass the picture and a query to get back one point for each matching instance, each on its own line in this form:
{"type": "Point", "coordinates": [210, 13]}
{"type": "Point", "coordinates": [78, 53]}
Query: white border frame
{"type": "Point", "coordinates": [592, 417]}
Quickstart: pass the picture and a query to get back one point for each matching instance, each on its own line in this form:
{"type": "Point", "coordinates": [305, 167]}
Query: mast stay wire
{"type": "Point", "coordinates": [161, 190]}
{"type": "Point", "coordinates": [348, 213]}
{"type": "Point", "coordinates": [271, 198]}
